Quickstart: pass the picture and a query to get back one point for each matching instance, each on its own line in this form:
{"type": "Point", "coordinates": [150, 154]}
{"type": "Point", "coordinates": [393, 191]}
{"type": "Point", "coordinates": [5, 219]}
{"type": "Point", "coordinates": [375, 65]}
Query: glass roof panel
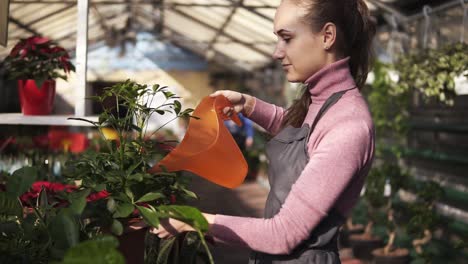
{"type": "Point", "coordinates": [187, 27]}
{"type": "Point", "coordinates": [213, 16]}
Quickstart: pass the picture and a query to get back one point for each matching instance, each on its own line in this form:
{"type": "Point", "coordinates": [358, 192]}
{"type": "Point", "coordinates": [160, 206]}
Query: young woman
{"type": "Point", "coordinates": [324, 143]}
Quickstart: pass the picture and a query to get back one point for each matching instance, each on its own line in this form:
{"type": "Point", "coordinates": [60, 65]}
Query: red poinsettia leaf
{"type": "Point", "coordinates": [38, 40]}
{"type": "Point", "coordinates": [23, 53]}
{"type": "Point", "coordinates": [16, 49]}
{"type": "Point", "coordinates": [97, 196]}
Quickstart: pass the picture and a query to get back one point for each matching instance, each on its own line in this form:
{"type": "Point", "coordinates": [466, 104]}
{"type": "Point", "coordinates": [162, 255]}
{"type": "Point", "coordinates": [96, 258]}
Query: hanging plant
{"type": "Point", "coordinates": [433, 71]}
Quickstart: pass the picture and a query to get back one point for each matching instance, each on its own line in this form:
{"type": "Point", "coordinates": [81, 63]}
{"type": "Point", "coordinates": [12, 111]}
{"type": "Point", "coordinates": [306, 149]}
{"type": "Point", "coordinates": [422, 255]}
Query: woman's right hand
{"type": "Point", "coordinates": [242, 103]}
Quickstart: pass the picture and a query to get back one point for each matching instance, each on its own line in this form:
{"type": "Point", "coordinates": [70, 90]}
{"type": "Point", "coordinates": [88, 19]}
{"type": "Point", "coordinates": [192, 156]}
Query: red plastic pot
{"type": "Point", "coordinates": [35, 101]}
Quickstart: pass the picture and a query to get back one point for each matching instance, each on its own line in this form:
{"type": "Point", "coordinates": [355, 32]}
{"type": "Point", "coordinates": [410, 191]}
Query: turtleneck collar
{"type": "Point", "coordinates": [330, 79]}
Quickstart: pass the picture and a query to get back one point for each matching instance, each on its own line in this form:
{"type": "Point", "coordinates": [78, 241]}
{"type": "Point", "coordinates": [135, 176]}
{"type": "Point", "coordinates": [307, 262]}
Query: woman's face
{"type": "Point", "coordinates": [300, 51]}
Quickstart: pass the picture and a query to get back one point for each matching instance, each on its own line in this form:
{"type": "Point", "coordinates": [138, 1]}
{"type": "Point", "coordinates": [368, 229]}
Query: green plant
{"type": "Point", "coordinates": [423, 218]}
{"type": "Point", "coordinates": [121, 168]}
{"type": "Point", "coordinates": [432, 71]}
{"type": "Point", "coordinates": [38, 58]}
{"type": "Point", "coordinates": [38, 225]}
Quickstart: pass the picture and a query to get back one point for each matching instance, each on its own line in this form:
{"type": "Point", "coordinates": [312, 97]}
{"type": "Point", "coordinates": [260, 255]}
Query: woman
{"type": "Point", "coordinates": [324, 143]}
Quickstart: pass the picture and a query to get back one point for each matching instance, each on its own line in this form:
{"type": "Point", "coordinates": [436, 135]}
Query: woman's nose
{"type": "Point", "coordinates": [278, 54]}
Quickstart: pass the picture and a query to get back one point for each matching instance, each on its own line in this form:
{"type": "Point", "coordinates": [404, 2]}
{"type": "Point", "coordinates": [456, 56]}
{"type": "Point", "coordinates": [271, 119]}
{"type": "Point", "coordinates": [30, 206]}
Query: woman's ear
{"type": "Point", "coordinates": [328, 35]}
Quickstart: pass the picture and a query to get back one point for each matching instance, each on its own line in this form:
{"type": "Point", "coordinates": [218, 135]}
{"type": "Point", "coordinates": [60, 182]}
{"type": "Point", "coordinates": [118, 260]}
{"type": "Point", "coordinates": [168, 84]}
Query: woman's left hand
{"type": "Point", "coordinates": [170, 227]}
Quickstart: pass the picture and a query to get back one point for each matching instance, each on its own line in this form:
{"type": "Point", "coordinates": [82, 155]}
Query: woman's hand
{"type": "Point", "coordinates": [241, 102]}
{"type": "Point", "coordinates": [170, 227]}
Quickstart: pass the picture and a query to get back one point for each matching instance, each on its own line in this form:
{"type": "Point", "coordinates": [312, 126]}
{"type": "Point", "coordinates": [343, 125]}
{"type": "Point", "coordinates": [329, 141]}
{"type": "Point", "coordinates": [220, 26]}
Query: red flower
{"type": "Point", "coordinates": [37, 40]}
{"type": "Point", "coordinates": [173, 199]}
{"type": "Point", "coordinates": [50, 187]}
{"type": "Point", "coordinates": [97, 196]}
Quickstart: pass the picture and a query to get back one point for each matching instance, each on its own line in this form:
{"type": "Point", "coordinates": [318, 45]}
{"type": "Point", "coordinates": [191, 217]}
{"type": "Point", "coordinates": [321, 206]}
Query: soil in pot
{"type": "Point", "coordinates": [363, 245]}
{"type": "Point", "coordinates": [397, 256]}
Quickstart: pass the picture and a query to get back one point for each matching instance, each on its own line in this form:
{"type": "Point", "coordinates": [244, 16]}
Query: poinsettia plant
{"type": "Point", "coordinates": [38, 58]}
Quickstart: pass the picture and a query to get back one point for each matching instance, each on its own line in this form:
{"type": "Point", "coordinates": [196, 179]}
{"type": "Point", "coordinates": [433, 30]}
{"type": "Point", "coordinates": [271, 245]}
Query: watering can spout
{"type": "Point", "coordinates": [208, 148]}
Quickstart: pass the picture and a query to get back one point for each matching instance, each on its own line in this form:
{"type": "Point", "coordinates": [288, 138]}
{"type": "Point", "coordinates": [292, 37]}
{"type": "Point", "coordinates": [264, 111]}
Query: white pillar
{"type": "Point", "coordinates": [81, 57]}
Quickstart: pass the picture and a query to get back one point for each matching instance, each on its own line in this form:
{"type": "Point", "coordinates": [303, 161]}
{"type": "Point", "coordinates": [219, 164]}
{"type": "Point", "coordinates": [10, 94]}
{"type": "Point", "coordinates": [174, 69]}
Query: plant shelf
{"type": "Point", "coordinates": [48, 120]}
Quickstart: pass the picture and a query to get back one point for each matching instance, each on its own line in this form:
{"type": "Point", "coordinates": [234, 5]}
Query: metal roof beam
{"type": "Point", "coordinates": [249, 45]}
{"type": "Point", "coordinates": [23, 26]}
{"type": "Point", "coordinates": [224, 25]}
{"type": "Point", "coordinates": [51, 14]}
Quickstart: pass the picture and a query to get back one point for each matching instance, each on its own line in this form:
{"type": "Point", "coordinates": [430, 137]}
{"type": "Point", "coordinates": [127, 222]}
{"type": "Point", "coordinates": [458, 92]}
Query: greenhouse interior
{"type": "Point", "coordinates": [152, 131]}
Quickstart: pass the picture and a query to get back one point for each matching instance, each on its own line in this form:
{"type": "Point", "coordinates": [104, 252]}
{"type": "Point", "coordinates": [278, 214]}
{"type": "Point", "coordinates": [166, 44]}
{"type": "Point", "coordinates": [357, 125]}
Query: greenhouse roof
{"type": "Point", "coordinates": [237, 34]}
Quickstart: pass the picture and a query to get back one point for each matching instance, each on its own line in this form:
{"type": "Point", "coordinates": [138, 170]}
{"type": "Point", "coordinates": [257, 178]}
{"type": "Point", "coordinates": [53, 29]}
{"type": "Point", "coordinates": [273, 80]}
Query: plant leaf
{"type": "Point", "coordinates": [165, 250]}
{"type": "Point", "coordinates": [21, 181]}
{"type": "Point", "coordinates": [123, 210]}
{"type": "Point", "coordinates": [117, 227]}
{"type": "Point", "coordinates": [187, 214]}
{"type": "Point", "coordinates": [150, 197]}
{"type": "Point", "coordinates": [78, 202]}
{"type": "Point", "coordinates": [98, 250]}
{"type": "Point", "coordinates": [9, 206]}
{"type": "Point", "coordinates": [150, 215]}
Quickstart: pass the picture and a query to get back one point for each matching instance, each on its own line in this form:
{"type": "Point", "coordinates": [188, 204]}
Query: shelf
{"type": "Point", "coordinates": [49, 120]}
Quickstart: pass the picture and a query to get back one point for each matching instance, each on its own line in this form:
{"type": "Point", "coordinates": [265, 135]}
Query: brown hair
{"type": "Point", "coordinates": [355, 32]}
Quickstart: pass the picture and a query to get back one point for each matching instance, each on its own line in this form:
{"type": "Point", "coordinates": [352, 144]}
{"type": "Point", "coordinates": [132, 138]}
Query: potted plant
{"type": "Point", "coordinates": [396, 179]}
{"type": "Point", "coordinates": [432, 72]}
{"type": "Point", "coordinates": [35, 63]}
{"type": "Point", "coordinates": [121, 169]}
{"type": "Point", "coordinates": [363, 244]}
{"type": "Point", "coordinates": [423, 218]}
{"type": "Point", "coordinates": [40, 222]}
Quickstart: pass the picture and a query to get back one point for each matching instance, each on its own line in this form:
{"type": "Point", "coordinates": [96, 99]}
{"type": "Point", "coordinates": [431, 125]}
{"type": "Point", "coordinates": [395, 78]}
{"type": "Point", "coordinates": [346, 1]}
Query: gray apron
{"type": "Point", "coordinates": [288, 156]}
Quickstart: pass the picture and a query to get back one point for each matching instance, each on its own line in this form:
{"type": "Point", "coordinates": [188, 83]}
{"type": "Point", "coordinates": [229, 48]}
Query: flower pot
{"type": "Point", "coordinates": [398, 256]}
{"type": "Point", "coordinates": [132, 246]}
{"type": "Point", "coordinates": [34, 100]}
{"type": "Point", "coordinates": [364, 245]}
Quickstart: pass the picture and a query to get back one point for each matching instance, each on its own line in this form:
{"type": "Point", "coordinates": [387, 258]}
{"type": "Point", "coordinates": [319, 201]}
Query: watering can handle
{"type": "Point", "coordinates": [221, 103]}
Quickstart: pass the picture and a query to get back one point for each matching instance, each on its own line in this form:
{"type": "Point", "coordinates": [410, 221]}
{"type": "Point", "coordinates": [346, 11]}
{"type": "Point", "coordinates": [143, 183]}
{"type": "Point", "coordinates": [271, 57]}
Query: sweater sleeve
{"type": "Point", "coordinates": [338, 157]}
{"type": "Point", "coordinates": [268, 116]}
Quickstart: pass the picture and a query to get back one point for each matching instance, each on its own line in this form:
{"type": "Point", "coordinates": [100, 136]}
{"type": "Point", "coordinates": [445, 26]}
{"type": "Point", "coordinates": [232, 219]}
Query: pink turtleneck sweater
{"type": "Point", "coordinates": [341, 151]}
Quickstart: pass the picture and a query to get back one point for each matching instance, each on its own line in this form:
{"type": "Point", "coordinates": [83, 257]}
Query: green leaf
{"type": "Point", "coordinates": [150, 215]}
{"type": "Point", "coordinates": [117, 227]}
{"type": "Point", "coordinates": [99, 250]}
{"type": "Point", "coordinates": [129, 193]}
{"type": "Point", "coordinates": [78, 201]}
{"type": "Point", "coordinates": [190, 193]}
{"type": "Point", "coordinates": [187, 214]}
{"type": "Point", "coordinates": [40, 79]}
{"type": "Point", "coordinates": [111, 205]}
{"type": "Point", "coordinates": [21, 181]}
{"type": "Point", "coordinates": [150, 197]}
{"type": "Point", "coordinates": [42, 200]}
{"type": "Point", "coordinates": [64, 230]}
{"type": "Point", "coordinates": [9, 206]}
{"type": "Point", "coordinates": [99, 187]}
{"type": "Point", "coordinates": [165, 250]}
{"type": "Point", "coordinates": [84, 120]}
{"type": "Point", "coordinates": [123, 210]}
{"type": "Point", "coordinates": [191, 245]}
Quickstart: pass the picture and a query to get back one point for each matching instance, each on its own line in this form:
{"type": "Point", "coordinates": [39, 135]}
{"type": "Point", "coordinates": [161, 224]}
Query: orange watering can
{"type": "Point", "coordinates": [208, 149]}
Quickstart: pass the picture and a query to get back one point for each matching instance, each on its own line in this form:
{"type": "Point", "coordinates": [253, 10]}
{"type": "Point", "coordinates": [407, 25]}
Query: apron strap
{"type": "Point", "coordinates": [327, 105]}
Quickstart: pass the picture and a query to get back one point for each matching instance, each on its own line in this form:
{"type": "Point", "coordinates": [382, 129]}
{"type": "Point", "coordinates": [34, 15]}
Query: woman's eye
{"type": "Point", "coordinates": [287, 39]}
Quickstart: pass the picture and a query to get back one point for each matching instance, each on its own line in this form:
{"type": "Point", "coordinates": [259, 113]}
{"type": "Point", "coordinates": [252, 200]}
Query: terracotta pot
{"type": "Point", "coordinates": [363, 246]}
{"type": "Point", "coordinates": [35, 101]}
{"type": "Point", "coordinates": [398, 256]}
